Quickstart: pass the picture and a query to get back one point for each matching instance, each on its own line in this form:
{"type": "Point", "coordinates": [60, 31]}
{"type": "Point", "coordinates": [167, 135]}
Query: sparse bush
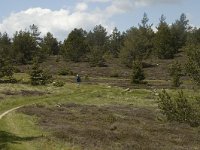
{"type": "Point", "coordinates": [13, 80]}
{"type": "Point", "coordinates": [114, 74]}
{"type": "Point", "coordinates": [58, 83]}
{"type": "Point", "coordinates": [63, 72]}
{"type": "Point", "coordinates": [17, 70]}
{"type": "Point", "coordinates": [175, 73]}
{"type": "Point", "coordinates": [87, 78]}
{"type": "Point", "coordinates": [72, 73]}
{"type": "Point", "coordinates": [9, 80]}
{"type": "Point", "coordinates": [179, 108]}
{"type": "Point", "coordinates": [58, 59]}
{"type": "Point", "coordinates": [110, 118]}
{"type": "Point", "coordinates": [6, 71]}
{"type": "Point", "coordinates": [193, 63]}
{"type": "Point", "coordinates": [147, 65]}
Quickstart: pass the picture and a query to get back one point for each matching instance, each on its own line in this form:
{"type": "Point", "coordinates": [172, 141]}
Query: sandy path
{"type": "Point", "coordinates": [8, 111]}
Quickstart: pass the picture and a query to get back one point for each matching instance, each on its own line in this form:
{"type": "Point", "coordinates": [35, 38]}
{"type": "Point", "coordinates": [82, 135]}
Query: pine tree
{"type": "Point", "coordinates": [75, 46]}
{"type": "Point", "coordinates": [138, 43]}
{"type": "Point", "coordinates": [6, 69]}
{"type": "Point", "coordinates": [5, 45]}
{"type": "Point", "coordinates": [98, 42]}
{"type": "Point", "coordinates": [163, 41]}
{"type": "Point", "coordinates": [175, 73]}
{"type": "Point", "coordinates": [137, 72]}
{"type": "Point", "coordinates": [115, 42]}
{"type": "Point", "coordinates": [193, 62]}
{"type": "Point", "coordinates": [38, 76]}
{"type": "Point", "coordinates": [50, 44]}
{"type": "Point", "coordinates": [179, 32]}
{"type": "Point", "coordinates": [24, 47]}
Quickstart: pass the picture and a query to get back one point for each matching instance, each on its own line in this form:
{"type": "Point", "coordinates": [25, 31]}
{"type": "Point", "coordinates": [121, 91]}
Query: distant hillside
{"type": "Point", "coordinates": [156, 70]}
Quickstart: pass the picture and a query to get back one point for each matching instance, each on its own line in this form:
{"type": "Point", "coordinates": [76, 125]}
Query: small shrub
{"type": "Point", "coordinates": [179, 109]}
{"type": "Point", "coordinates": [110, 118]}
{"type": "Point", "coordinates": [17, 70]}
{"type": "Point", "coordinates": [8, 80]}
{"type": "Point", "coordinates": [175, 73]}
{"type": "Point", "coordinates": [87, 78]}
{"type": "Point", "coordinates": [58, 83]}
{"type": "Point", "coordinates": [146, 65]}
{"type": "Point", "coordinates": [13, 80]}
{"type": "Point", "coordinates": [63, 72]}
{"type": "Point", "coordinates": [72, 73]}
{"type": "Point", "coordinates": [137, 73]}
{"type": "Point", "coordinates": [38, 76]}
{"type": "Point", "coordinates": [193, 63]}
{"type": "Point", "coordinates": [6, 71]}
{"type": "Point", "coordinates": [6, 68]}
{"type": "Point", "coordinates": [57, 59]}
{"type": "Point", "coordinates": [114, 74]}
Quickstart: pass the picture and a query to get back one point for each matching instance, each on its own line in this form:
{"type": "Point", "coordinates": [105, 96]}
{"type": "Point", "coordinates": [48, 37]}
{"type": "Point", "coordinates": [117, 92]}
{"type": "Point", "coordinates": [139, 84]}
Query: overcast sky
{"type": "Point", "coordinates": [61, 16]}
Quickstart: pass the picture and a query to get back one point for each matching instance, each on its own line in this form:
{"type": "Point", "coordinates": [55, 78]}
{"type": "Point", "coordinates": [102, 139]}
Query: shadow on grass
{"type": "Point", "coordinates": [8, 138]}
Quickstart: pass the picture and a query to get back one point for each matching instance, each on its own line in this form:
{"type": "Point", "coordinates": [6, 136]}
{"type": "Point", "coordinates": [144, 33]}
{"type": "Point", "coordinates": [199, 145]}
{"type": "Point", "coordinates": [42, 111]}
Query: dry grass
{"type": "Point", "coordinates": [23, 93]}
{"type": "Point", "coordinates": [113, 127]}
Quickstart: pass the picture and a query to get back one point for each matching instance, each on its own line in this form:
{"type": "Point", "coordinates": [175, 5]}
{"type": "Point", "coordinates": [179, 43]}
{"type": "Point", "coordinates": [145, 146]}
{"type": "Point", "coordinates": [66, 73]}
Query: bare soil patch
{"type": "Point", "coordinates": [24, 93]}
{"type": "Point", "coordinates": [113, 127]}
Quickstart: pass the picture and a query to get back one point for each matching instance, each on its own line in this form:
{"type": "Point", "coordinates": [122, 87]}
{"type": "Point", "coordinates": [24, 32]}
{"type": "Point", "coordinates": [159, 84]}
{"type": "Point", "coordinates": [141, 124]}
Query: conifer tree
{"type": "Point", "coordinates": [175, 73]}
{"type": "Point", "coordinates": [38, 76]}
{"type": "Point", "coordinates": [163, 41]}
{"type": "Point", "coordinates": [137, 72]}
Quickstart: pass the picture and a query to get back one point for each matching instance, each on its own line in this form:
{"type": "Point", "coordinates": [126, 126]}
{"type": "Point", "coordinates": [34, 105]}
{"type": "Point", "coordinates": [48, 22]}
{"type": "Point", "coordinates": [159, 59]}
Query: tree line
{"type": "Point", "coordinates": [135, 44]}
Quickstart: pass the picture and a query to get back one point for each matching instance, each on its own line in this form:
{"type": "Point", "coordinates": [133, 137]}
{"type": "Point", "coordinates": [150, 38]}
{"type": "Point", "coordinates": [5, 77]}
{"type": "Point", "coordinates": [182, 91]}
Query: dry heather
{"type": "Point", "coordinates": [113, 127]}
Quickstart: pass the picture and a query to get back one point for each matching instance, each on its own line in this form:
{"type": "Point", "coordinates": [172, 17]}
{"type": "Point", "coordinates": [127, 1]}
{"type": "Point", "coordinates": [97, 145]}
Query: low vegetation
{"type": "Point", "coordinates": [175, 73]}
{"type": "Point", "coordinates": [89, 117]}
{"type": "Point", "coordinates": [179, 108]}
{"type": "Point", "coordinates": [119, 103]}
{"type": "Point", "coordinates": [111, 127]}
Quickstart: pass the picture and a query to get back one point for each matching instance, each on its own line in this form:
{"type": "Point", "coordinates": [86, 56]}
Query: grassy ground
{"type": "Point", "coordinates": [54, 118]}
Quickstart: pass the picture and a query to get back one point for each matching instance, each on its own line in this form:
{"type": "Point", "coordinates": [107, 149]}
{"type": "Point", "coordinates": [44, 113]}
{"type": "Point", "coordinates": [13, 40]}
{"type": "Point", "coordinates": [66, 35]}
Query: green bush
{"type": "Point", "coordinates": [17, 70]}
{"type": "Point", "coordinates": [72, 73]}
{"type": "Point", "coordinates": [193, 63]}
{"type": "Point", "coordinates": [64, 72]}
{"type": "Point", "coordinates": [58, 59]}
{"type": "Point", "coordinates": [137, 72]}
{"type": "Point", "coordinates": [58, 83]}
{"type": "Point", "coordinates": [114, 74]}
{"type": "Point", "coordinates": [9, 80]}
{"type": "Point", "coordinates": [38, 76]}
{"type": "Point", "coordinates": [175, 73]}
{"type": "Point", "coordinates": [87, 78]}
{"type": "Point", "coordinates": [179, 108]}
{"type": "Point", "coordinates": [6, 71]}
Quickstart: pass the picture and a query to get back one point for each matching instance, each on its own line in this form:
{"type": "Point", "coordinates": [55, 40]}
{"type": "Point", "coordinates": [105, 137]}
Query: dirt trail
{"type": "Point", "coordinates": [8, 111]}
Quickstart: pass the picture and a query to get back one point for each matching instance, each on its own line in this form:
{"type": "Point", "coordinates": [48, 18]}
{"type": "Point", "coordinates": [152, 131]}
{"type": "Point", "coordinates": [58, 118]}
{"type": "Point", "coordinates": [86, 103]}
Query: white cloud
{"type": "Point", "coordinates": [100, 1]}
{"type": "Point", "coordinates": [118, 7]}
{"type": "Point", "coordinates": [149, 2]}
{"type": "Point", "coordinates": [59, 22]}
{"type": "Point", "coordinates": [135, 1]}
{"type": "Point", "coordinates": [122, 6]}
{"type": "Point", "coordinates": [81, 7]}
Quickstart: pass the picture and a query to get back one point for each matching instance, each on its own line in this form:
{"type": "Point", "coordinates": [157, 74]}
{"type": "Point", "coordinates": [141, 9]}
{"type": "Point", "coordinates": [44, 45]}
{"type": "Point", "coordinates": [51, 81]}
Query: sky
{"type": "Point", "coordinates": [60, 17]}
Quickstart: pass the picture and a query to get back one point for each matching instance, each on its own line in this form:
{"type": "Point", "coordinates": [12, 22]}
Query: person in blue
{"type": "Point", "coordinates": [78, 79]}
